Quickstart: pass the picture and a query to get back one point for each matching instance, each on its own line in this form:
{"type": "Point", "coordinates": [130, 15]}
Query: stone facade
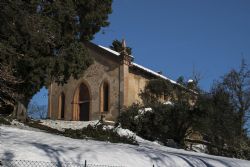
{"type": "Point", "coordinates": [110, 83]}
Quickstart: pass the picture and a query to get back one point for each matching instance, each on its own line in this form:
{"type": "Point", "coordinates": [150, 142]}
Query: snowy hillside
{"type": "Point", "coordinates": [20, 144]}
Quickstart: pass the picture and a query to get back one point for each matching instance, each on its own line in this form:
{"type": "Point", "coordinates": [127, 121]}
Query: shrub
{"type": "Point", "coordinates": [36, 124]}
{"type": "Point", "coordinates": [128, 116]}
{"type": "Point", "coordinates": [4, 121]}
{"type": "Point", "coordinates": [147, 122]}
{"type": "Point", "coordinates": [99, 133]}
{"type": "Point", "coordinates": [161, 123]}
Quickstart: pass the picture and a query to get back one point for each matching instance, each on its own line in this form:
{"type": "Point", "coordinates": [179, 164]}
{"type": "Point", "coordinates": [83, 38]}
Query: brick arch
{"type": "Point", "coordinates": [104, 94]}
{"type": "Point", "coordinates": [81, 105]}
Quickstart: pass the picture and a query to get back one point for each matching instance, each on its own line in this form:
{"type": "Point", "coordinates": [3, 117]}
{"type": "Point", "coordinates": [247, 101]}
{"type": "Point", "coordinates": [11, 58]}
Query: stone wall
{"type": "Point", "coordinates": [136, 84]}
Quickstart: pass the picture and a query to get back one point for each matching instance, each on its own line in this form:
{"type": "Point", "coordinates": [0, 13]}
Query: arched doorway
{"type": "Point", "coordinates": [84, 101]}
{"type": "Point", "coordinates": [81, 103]}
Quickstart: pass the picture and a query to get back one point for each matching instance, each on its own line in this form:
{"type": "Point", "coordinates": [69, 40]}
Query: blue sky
{"type": "Point", "coordinates": [179, 36]}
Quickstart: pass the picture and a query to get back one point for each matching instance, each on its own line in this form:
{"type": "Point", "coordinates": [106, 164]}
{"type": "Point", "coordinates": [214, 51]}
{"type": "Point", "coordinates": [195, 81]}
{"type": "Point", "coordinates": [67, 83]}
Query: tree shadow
{"type": "Point", "coordinates": [56, 154]}
{"type": "Point", "coordinates": [207, 163]}
{"type": "Point", "coordinates": [52, 153]}
{"type": "Point", "coordinates": [7, 155]}
{"type": "Point", "coordinates": [7, 158]}
{"type": "Point", "coordinates": [157, 158]}
{"type": "Point", "coordinates": [161, 156]}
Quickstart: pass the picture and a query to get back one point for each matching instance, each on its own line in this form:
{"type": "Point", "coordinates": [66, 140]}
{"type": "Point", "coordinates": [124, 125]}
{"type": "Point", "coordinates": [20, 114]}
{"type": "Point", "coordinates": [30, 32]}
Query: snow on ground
{"type": "Point", "coordinates": [61, 125]}
{"type": "Point", "coordinates": [21, 144]}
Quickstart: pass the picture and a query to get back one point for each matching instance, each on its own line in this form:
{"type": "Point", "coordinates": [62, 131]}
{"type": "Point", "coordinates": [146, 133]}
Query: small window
{"type": "Point", "coordinates": [62, 105]}
{"type": "Point", "coordinates": [105, 97]}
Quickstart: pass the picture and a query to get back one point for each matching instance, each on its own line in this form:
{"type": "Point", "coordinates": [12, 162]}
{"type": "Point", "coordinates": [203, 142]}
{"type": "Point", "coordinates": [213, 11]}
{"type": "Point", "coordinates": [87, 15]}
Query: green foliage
{"type": "Point", "coordinates": [42, 40]}
{"type": "Point", "coordinates": [165, 121]}
{"type": "Point", "coordinates": [221, 121]}
{"type": "Point", "coordinates": [117, 46]}
{"type": "Point", "coordinates": [154, 90]}
{"type": "Point", "coordinates": [127, 118]}
{"type": "Point", "coordinates": [193, 85]}
{"type": "Point", "coordinates": [162, 123]}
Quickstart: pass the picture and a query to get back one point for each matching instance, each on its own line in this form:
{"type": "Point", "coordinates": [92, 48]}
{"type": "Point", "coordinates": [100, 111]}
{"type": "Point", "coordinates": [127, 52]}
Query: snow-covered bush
{"type": "Point", "coordinates": [149, 123]}
{"type": "Point", "coordinates": [129, 117]}
{"type": "Point", "coordinates": [100, 132]}
{"type": "Point", "coordinates": [162, 122]}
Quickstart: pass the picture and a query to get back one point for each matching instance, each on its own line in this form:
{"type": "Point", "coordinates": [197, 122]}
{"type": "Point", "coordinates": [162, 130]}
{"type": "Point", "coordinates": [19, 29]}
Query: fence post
{"type": "Point", "coordinates": [85, 165]}
{"type": "Point", "coordinates": [153, 165]}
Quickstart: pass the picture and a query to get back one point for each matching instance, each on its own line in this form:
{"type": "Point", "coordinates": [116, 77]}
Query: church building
{"type": "Point", "coordinates": [110, 83]}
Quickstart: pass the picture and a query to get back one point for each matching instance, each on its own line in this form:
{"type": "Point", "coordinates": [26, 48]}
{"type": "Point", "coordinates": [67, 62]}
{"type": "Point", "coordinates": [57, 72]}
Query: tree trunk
{"type": "Point", "coordinates": [20, 111]}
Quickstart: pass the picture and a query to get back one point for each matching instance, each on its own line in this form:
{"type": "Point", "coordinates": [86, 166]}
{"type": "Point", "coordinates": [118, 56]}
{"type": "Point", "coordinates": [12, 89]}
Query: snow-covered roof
{"type": "Point", "coordinates": [110, 50]}
{"type": "Point", "coordinates": [140, 66]}
{"type": "Point", "coordinates": [153, 72]}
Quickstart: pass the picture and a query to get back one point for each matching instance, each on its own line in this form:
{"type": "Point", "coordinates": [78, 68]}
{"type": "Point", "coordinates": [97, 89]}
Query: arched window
{"type": "Point", "coordinates": [61, 106]}
{"type": "Point", "coordinates": [81, 110]}
{"type": "Point", "coordinates": [104, 102]}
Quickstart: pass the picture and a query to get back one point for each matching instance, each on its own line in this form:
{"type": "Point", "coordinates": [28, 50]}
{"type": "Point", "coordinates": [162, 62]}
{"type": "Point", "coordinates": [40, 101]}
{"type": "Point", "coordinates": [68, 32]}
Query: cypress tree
{"type": "Point", "coordinates": [42, 40]}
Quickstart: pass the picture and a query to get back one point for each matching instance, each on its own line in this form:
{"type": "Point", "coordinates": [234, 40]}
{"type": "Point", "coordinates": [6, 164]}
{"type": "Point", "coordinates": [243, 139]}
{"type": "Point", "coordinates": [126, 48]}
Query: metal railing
{"type": "Point", "coordinates": [26, 163]}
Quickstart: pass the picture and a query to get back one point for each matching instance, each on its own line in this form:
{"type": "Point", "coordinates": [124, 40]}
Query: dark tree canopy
{"type": "Point", "coordinates": [42, 40]}
{"type": "Point", "coordinates": [8, 88]}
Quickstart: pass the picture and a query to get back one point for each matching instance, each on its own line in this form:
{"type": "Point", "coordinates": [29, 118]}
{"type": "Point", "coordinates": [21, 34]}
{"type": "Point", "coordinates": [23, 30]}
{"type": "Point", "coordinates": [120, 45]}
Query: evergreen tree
{"type": "Point", "coordinates": [42, 40]}
{"type": "Point", "coordinates": [154, 90]}
{"type": "Point", "coordinates": [117, 46]}
{"type": "Point", "coordinates": [221, 122]}
{"type": "Point", "coordinates": [168, 121]}
{"type": "Point", "coordinates": [8, 89]}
